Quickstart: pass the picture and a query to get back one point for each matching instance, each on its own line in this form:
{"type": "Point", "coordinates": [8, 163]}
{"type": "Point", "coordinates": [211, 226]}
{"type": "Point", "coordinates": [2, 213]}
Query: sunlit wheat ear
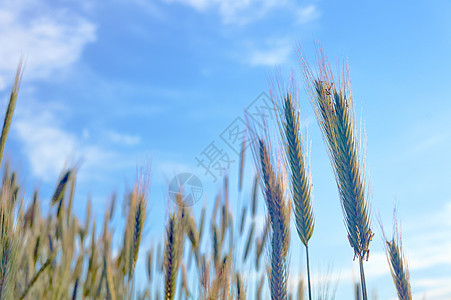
{"type": "Point", "coordinates": [127, 247]}
{"type": "Point", "coordinates": [10, 110]}
{"type": "Point", "coordinates": [333, 105]}
{"type": "Point", "coordinates": [399, 269]}
{"type": "Point", "coordinates": [140, 192]}
{"type": "Point", "coordinates": [397, 262]}
{"type": "Point", "coordinates": [171, 259]}
{"type": "Point", "coordinates": [140, 216]}
{"type": "Point", "coordinates": [191, 231]}
{"type": "Point", "coordinates": [61, 187]}
{"type": "Point", "coordinates": [173, 251]}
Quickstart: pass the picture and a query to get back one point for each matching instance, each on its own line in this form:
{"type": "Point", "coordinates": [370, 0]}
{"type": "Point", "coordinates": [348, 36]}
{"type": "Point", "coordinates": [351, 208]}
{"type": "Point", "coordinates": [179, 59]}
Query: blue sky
{"type": "Point", "coordinates": [114, 85]}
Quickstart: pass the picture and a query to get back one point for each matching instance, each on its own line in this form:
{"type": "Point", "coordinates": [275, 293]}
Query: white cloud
{"type": "Point", "coordinates": [244, 11]}
{"type": "Point", "coordinates": [46, 146]}
{"type": "Point", "coordinates": [273, 52]}
{"type": "Point", "coordinates": [435, 288]}
{"type": "Point", "coordinates": [121, 138]}
{"type": "Point", "coordinates": [270, 57]}
{"type": "Point", "coordinates": [307, 14]}
{"type": "Point", "coordinates": [197, 4]}
{"type": "Point", "coordinates": [49, 147]}
{"type": "Point", "coordinates": [49, 39]}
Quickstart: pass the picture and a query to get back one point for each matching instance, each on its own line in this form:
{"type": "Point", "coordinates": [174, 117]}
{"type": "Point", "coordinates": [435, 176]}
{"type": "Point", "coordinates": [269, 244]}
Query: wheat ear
{"type": "Point", "coordinates": [333, 106]}
{"type": "Point", "coordinates": [397, 262]}
{"type": "Point", "coordinates": [279, 215]}
{"type": "Point", "coordinates": [173, 251]}
{"type": "Point", "coordinates": [10, 109]}
{"type": "Point", "coordinates": [290, 129]}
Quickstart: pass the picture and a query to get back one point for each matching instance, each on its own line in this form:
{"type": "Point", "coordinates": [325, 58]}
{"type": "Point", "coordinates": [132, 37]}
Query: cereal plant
{"type": "Point", "coordinates": [55, 256]}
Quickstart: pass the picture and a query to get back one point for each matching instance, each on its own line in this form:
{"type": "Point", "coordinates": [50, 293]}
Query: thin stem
{"type": "Point", "coordinates": [36, 276]}
{"type": "Point", "coordinates": [308, 274]}
{"type": "Point", "coordinates": [362, 279]}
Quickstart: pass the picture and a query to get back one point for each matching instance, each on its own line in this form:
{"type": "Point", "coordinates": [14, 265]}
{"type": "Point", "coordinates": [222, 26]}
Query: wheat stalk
{"type": "Point", "coordinates": [35, 278]}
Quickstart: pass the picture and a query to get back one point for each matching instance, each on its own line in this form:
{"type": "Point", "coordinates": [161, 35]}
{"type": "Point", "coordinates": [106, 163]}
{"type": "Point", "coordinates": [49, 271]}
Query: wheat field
{"type": "Point", "coordinates": [56, 256]}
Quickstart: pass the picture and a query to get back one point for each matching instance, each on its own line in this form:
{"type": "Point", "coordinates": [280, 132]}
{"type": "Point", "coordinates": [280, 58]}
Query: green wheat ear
{"type": "Point", "coordinates": [279, 215]}
{"type": "Point", "coordinates": [173, 250]}
{"type": "Point", "coordinates": [171, 261]}
{"type": "Point", "coordinates": [272, 176]}
{"type": "Point", "coordinates": [300, 180]}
